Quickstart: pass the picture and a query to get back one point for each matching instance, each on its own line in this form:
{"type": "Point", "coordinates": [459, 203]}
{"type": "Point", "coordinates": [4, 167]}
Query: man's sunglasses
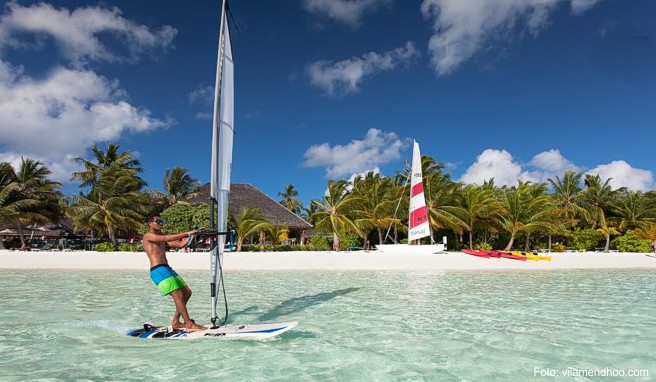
{"type": "Point", "coordinates": [159, 221]}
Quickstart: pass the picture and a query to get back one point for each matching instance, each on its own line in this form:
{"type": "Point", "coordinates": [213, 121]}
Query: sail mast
{"type": "Point", "coordinates": [222, 136]}
{"type": "Point", "coordinates": [418, 225]}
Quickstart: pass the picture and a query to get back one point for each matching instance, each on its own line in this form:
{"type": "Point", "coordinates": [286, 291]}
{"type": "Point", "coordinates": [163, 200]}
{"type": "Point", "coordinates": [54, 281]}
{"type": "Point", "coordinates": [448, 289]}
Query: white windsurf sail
{"type": "Point", "coordinates": [222, 136]}
{"type": "Point", "coordinates": [418, 225]}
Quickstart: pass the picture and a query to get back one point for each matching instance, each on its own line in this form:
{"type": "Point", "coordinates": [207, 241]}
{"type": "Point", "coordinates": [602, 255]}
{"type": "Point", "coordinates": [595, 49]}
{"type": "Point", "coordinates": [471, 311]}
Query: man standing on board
{"type": "Point", "coordinates": [166, 279]}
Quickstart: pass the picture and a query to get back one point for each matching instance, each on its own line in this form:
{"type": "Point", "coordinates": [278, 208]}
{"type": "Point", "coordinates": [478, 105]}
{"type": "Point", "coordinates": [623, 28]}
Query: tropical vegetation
{"type": "Point", "coordinates": [570, 211]}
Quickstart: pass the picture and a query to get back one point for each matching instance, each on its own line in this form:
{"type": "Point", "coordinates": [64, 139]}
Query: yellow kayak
{"type": "Point", "coordinates": [531, 256]}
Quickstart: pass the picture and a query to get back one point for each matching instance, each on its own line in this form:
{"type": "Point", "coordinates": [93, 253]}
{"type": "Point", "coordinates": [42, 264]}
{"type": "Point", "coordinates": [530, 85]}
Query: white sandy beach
{"type": "Point", "coordinates": [359, 260]}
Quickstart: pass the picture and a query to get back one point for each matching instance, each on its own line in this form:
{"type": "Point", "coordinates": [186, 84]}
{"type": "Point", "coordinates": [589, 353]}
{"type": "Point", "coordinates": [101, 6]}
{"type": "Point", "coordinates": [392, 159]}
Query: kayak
{"type": "Point", "coordinates": [477, 252]}
{"type": "Point", "coordinates": [531, 256]}
{"type": "Point", "coordinates": [507, 255]}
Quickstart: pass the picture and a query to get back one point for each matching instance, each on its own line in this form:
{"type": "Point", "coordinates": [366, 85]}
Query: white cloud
{"type": "Point", "coordinates": [78, 32]}
{"type": "Point", "coordinates": [203, 94]}
{"type": "Point", "coordinates": [500, 165]}
{"type": "Point", "coordinates": [580, 6]}
{"type": "Point", "coordinates": [621, 174]}
{"type": "Point", "coordinates": [345, 76]}
{"type": "Point", "coordinates": [349, 12]}
{"type": "Point", "coordinates": [497, 164]}
{"type": "Point", "coordinates": [357, 157]}
{"type": "Point", "coordinates": [59, 116]}
{"type": "Point", "coordinates": [549, 164]}
{"type": "Point", "coordinates": [462, 28]}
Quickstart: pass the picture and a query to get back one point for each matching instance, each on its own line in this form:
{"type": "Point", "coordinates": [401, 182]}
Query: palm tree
{"type": "Point", "coordinates": [526, 209]}
{"type": "Point", "coordinates": [290, 200]}
{"type": "Point", "coordinates": [567, 194]}
{"type": "Point", "coordinates": [441, 194]}
{"type": "Point", "coordinates": [115, 206]}
{"type": "Point", "coordinates": [596, 199]}
{"type": "Point", "coordinates": [104, 160]}
{"type": "Point", "coordinates": [248, 222]}
{"type": "Point", "coordinates": [32, 183]}
{"type": "Point", "coordinates": [375, 203]}
{"type": "Point", "coordinates": [333, 215]}
{"type": "Point", "coordinates": [308, 213]}
{"type": "Point", "coordinates": [476, 204]}
{"type": "Point", "coordinates": [278, 234]}
{"type": "Point", "coordinates": [114, 203]}
{"type": "Point", "coordinates": [179, 184]}
{"type": "Point", "coordinates": [632, 209]}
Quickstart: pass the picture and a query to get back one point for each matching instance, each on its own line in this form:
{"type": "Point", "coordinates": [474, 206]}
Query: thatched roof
{"type": "Point", "coordinates": [60, 229]}
{"type": "Point", "coordinates": [245, 195]}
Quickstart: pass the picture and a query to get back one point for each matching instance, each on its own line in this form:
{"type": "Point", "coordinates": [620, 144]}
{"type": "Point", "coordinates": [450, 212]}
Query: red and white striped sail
{"type": "Point", "coordinates": [418, 225]}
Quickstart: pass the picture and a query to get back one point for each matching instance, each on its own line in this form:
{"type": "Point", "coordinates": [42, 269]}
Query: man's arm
{"type": "Point", "coordinates": [155, 238]}
{"type": "Point", "coordinates": [178, 243]}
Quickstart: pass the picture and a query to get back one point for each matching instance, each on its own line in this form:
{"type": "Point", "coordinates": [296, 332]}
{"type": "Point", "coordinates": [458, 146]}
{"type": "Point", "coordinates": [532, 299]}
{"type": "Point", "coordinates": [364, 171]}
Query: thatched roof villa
{"type": "Point", "coordinates": [243, 195]}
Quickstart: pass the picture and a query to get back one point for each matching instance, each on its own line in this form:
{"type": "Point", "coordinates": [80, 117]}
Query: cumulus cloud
{"type": "Point", "coordinates": [356, 157]}
{"type": "Point", "coordinates": [78, 32]}
{"type": "Point", "coordinates": [548, 164]}
{"type": "Point", "coordinates": [502, 167]}
{"type": "Point", "coordinates": [345, 76]}
{"type": "Point", "coordinates": [59, 116]}
{"type": "Point", "coordinates": [493, 164]}
{"type": "Point", "coordinates": [349, 12]}
{"type": "Point", "coordinates": [621, 174]}
{"type": "Point", "coordinates": [462, 28]}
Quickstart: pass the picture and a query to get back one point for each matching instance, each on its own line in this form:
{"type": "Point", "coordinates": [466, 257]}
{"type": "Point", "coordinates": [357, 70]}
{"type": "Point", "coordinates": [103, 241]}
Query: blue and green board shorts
{"type": "Point", "coordinates": [166, 279]}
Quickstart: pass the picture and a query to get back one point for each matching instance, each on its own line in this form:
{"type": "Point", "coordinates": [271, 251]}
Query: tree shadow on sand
{"type": "Point", "coordinates": [296, 304]}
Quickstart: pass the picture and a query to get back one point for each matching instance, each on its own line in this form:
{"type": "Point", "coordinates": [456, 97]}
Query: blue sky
{"type": "Point", "coordinates": [326, 89]}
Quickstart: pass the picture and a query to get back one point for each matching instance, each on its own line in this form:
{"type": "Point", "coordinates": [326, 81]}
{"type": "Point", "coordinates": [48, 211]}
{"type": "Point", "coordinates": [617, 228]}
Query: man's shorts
{"type": "Point", "coordinates": [166, 279]}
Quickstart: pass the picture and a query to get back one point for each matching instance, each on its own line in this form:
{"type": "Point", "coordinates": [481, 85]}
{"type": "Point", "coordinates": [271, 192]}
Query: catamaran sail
{"type": "Point", "coordinates": [418, 223]}
{"type": "Point", "coordinates": [222, 136]}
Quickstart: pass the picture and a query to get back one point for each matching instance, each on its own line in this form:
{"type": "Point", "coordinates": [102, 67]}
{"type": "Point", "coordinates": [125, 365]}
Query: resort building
{"type": "Point", "coordinates": [243, 195]}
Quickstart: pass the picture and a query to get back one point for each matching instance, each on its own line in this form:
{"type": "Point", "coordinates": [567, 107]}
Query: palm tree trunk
{"type": "Point", "coordinates": [549, 242]}
{"type": "Point", "coordinates": [510, 243]}
{"type": "Point", "coordinates": [380, 235]}
{"type": "Point", "coordinates": [112, 236]}
{"type": "Point", "coordinates": [471, 240]}
{"type": "Point", "coordinates": [607, 243]}
{"type": "Point", "coordinates": [335, 241]}
{"type": "Point", "coordinates": [22, 237]}
{"type": "Point", "coordinates": [528, 239]}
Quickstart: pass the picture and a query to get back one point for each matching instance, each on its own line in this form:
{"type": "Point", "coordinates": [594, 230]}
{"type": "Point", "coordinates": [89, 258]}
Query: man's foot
{"type": "Point", "coordinates": [194, 328]}
{"type": "Point", "coordinates": [178, 325]}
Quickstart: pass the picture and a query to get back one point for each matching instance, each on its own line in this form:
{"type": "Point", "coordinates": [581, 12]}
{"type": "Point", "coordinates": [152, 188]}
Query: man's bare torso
{"type": "Point", "coordinates": [156, 251]}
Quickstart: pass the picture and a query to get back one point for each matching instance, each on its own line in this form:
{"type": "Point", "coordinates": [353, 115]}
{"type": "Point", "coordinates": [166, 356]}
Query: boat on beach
{"type": "Point", "coordinates": [418, 222]}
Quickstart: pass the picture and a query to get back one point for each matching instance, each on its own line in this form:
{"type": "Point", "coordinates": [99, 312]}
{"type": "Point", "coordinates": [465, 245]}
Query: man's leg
{"type": "Point", "coordinates": [181, 310]}
{"type": "Point", "coordinates": [186, 295]}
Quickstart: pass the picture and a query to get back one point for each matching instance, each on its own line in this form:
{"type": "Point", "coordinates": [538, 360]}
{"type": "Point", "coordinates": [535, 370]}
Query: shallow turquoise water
{"type": "Point", "coordinates": [354, 326]}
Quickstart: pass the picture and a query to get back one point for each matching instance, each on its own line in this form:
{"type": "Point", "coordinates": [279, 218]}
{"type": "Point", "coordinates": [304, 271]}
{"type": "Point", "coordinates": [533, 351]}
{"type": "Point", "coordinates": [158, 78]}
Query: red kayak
{"type": "Point", "coordinates": [477, 252]}
{"type": "Point", "coordinates": [495, 254]}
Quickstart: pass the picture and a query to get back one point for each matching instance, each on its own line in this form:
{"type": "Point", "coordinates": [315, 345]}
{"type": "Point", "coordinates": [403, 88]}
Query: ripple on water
{"type": "Point", "coordinates": [353, 325]}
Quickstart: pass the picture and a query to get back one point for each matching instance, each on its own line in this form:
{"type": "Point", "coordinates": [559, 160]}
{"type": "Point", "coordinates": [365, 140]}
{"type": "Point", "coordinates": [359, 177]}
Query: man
{"type": "Point", "coordinates": [166, 279]}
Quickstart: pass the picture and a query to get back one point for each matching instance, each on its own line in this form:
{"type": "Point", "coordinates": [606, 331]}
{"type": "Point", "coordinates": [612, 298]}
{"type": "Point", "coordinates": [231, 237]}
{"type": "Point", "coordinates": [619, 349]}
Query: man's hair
{"type": "Point", "coordinates": [151, 216]}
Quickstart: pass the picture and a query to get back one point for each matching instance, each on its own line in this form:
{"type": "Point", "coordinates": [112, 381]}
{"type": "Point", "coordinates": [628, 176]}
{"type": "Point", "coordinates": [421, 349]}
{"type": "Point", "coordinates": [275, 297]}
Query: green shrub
{"type": "Point", "coordinates": [130, 248]}
{"type": "Point", "coordinates": [483, 246]}
{"type": "Point", "coordinates": [631, 243]}
{"type": "Point", "coordinates": [350, 240]}
{"type": "Point", "coordinates": [105, 247]}
{"type": "Point", "coordinates": [319, 243]}
{"type": "Point", "coordinates": [586, 239]}
{"type": "Point", "coordinates": [558, 248]}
